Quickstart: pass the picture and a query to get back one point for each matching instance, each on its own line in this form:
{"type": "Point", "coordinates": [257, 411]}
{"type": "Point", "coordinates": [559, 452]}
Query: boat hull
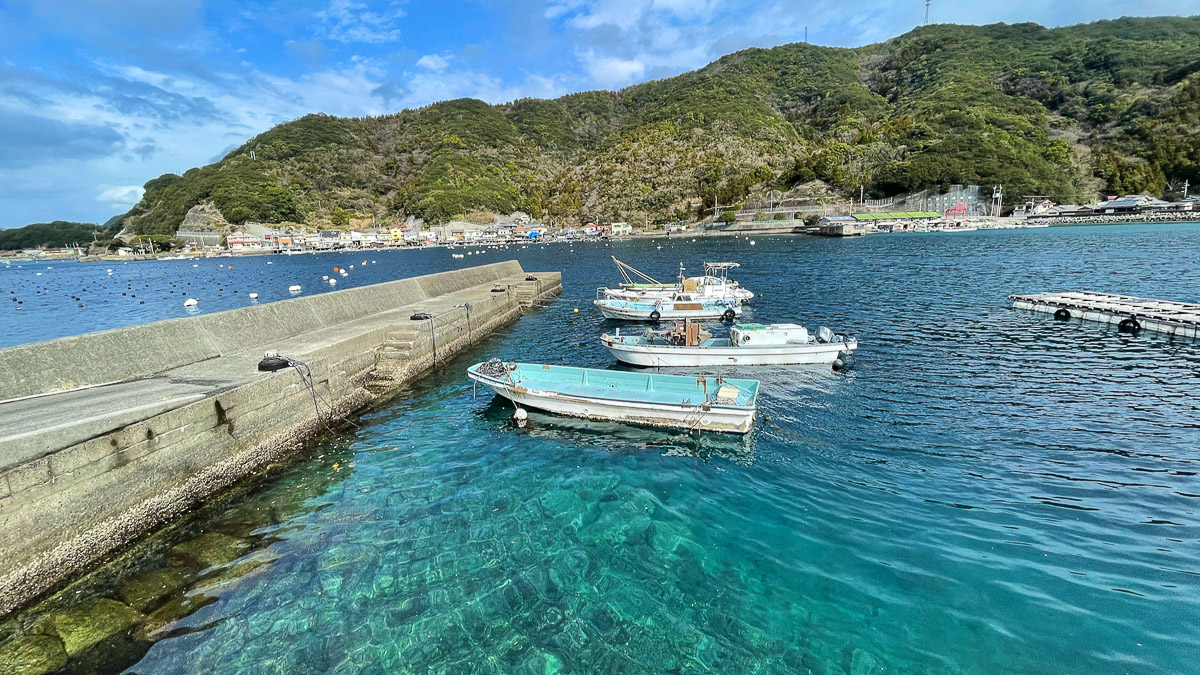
{"type": "Point", "coordinates": [666, 313]}
{"type": "Point", "coordinates": [728, 419]}
{"type": "Point", "coordinates": [713, 295]}
{"type": "Point", "coordinates": [658, 356]}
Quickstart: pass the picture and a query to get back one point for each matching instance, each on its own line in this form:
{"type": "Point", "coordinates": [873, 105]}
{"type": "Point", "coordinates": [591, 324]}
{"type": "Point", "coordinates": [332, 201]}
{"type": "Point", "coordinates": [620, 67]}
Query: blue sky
{"type": "Point", "coordinates": [99, 96]}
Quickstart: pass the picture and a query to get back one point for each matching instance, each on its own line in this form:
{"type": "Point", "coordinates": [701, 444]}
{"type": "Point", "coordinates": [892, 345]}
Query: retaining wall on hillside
{"type": "Point", "coordinates": [106, 436]}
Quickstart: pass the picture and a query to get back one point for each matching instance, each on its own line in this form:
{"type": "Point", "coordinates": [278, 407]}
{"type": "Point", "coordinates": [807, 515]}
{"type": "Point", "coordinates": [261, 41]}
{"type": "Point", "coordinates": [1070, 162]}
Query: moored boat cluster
{"type": "Point", "coordinates": [707, 403]}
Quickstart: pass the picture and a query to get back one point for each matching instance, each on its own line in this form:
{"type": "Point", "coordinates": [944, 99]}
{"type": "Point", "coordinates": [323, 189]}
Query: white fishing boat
{"type": "Point", "coordinates": [676, 306]}
{"type": "Point", "coordinates": [715, 284]}
{"type": "Point", "coordinates": [674, 401]}
{"type": "Point", "coordinates": [748, 344]}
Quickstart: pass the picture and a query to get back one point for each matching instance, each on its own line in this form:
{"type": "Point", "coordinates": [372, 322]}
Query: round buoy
{"type": "Point", "coordinates": [294, 288]}
{"type": "Point", "coordinates": [333, 282]}
{"type": "Point", "coordinates": [729, 315]}
{"type": "Point", "coordinates": [1129, 325]}
{"type": "Point", "coordinates": [520, 417]}
{"type": "Point", "coordinates": [838, 364]}
{"type": "Point", "coordinates": [751, 242]}
{"type": "Point", "coordinates": [191, 302]}
{"type": "Point", "coordinates": [576, 310]}
{"type": "Point", "coordinates": [1062, 314]}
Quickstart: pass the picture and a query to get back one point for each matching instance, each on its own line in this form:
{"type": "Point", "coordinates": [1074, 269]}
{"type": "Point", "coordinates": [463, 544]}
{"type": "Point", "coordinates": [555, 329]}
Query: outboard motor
{"type": "Point", "coordinates": [824, 334]}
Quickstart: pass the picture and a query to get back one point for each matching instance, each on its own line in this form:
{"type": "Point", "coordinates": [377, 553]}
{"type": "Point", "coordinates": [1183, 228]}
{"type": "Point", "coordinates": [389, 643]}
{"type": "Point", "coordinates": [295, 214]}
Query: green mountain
{"type": "Point", "coordinates": [1107, 107]}
{"type": "Point", "coordinates": [58, 234]}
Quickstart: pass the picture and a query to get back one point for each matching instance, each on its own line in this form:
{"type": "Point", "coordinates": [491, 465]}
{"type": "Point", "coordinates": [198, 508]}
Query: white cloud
{"type": "Point", "coordinates": [120, 195]}
{"type": "Point", "coordinates": [683, 8]}
{"type": "Point", "coordinates": [622, 13]}
{"type": "Point", "coordinates": [433, 62]}
{"type": "Point", "coordinates": [351, 21]}
{"type": "Point", "coordinates": [610, 71]}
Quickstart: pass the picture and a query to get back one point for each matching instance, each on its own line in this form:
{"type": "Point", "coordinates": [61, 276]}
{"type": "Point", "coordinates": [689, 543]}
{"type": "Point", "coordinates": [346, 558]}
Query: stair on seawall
{"type": "Point", "coordinates": [34, 427]}
{"type": "Point", "coordinates": [99, 445]}
{"type": "Point", "coordinates": [1129, 313]}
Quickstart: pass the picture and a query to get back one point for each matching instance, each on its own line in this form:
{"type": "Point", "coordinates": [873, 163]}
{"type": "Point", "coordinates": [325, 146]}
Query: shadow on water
{"type": "Point", "coordinates": [622, 438]}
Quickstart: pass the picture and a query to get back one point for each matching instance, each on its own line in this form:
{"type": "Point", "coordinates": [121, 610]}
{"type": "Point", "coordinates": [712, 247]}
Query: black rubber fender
{"type": "Point", "coordinates": [1130, 325]}
{"type": "Point", "coordinates": [655, 315]}
{"type": "Point", "coordinates": [1062, 314]}
{"type": "Point", "coordinates": [270, 364]}
{"type": "Point", "coordinates": [729, 315]}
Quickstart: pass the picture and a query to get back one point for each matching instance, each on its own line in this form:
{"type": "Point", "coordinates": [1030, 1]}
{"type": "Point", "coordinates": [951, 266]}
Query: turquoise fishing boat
{"type": "Point", "coordinates": [675, 401]}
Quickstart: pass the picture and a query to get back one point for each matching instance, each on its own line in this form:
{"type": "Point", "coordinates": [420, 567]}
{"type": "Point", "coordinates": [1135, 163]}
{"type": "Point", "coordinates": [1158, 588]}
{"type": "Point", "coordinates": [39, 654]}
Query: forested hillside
{"type": "Point", "coordinates": [1108, 107]}
{"type": "Point", "coordinates": [58, 234]}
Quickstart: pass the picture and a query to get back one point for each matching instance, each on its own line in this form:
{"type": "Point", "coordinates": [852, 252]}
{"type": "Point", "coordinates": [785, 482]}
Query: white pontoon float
{"type": "Point", "coordinates": [749, 344]}
{"type": "Point", "coordinates": [1128, 313]}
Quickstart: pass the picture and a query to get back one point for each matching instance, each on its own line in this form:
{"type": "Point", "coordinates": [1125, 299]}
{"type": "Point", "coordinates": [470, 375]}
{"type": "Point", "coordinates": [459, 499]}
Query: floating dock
{"type": "Point", "coordinates": [1127, 312]}
{"type": "Point", "coordinates": [106, 436]}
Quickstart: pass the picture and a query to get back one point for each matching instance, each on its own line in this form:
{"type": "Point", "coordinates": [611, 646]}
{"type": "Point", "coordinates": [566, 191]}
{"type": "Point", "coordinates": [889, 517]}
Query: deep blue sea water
{"type": "Point", "coordinates": [987, 490]}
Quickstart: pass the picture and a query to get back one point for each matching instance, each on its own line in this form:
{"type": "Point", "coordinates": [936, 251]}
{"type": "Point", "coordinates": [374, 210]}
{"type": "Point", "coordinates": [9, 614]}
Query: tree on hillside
{"type": "Point", "coordinates": [1062, 112]}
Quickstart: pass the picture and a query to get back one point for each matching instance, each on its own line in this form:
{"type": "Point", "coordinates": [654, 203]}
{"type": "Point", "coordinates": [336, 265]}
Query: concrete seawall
{"type": "Point", "coordinates": [105, 436]}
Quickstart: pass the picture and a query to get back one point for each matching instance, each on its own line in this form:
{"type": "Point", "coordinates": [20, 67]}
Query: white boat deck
{"type": "Point", "coordinates": [1162, 316]}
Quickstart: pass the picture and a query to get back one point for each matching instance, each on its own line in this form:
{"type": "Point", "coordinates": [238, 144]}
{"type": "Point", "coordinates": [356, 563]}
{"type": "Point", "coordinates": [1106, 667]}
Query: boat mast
{"type": "Point", "coordinates": [626, 268]}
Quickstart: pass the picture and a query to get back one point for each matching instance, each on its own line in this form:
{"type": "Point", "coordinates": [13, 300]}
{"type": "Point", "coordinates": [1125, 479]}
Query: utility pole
{"type": "Point", "coordinates": [806, 35]}
{"type": "Point", "coordinates": [1185, 188]}
{"type": "Point", "coordinates": [926, 12]}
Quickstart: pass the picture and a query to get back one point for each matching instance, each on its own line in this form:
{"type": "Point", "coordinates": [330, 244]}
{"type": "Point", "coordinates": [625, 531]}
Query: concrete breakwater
{"type": "Point", "coordinates": [105, 436]}
{"type": "Point", "coordinates": [1167, 217]}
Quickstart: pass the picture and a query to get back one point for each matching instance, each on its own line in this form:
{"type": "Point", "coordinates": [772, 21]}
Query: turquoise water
{"type": "Point", "coordinates": [987, 490]}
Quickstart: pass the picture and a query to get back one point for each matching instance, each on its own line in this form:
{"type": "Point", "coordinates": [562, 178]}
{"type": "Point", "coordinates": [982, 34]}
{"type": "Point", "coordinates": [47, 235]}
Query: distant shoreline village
{"type": "Point", "coordinates": [205, 233]}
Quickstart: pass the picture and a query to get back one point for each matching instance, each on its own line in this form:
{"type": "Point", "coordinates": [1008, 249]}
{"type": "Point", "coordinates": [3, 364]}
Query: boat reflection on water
{"type": "Point", "coordinates": [621, 438]}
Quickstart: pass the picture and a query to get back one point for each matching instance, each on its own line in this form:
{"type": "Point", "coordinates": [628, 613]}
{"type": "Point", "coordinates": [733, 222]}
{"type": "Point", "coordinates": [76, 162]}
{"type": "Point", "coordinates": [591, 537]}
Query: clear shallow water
{"type": "Point", "coordinates": [988, 490]}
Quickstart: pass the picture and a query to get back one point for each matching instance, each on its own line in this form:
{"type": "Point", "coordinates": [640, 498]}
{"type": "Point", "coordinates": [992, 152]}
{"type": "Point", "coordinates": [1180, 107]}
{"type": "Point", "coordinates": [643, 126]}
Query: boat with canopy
{"type": "Point", "coordinates": [713, 285]}
{"type": "Point", "coordinates": [748, 344]}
